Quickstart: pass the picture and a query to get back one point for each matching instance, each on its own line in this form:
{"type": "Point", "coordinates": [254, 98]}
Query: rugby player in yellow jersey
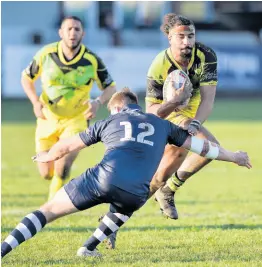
{"type": "Point", "coordinates": [68, 70]}
{"type": "Point", "coordinates": [200, 63]}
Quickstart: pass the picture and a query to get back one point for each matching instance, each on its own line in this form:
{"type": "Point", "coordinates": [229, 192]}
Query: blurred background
{"type": "Point", "coordinates": [126, 35]}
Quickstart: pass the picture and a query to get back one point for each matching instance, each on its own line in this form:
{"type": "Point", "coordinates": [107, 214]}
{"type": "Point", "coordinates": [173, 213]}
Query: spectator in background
{"type": "Point", "coordinates": [113, 30]}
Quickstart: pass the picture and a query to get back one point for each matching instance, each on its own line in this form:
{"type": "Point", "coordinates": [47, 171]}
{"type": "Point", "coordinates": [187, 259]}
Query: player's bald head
{"type": "Point", "coordinates": [122, 98]}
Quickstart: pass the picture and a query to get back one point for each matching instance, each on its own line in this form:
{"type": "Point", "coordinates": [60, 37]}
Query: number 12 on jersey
{"type": "Point", "coordinates": [149, 130]}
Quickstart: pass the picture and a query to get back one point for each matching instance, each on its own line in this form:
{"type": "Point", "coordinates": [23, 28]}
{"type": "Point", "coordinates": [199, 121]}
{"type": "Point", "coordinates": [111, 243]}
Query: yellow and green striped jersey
{"type": "Point", "coordinates": [202, 70]}
{"type": "Point", "coordinates": [67, 84]}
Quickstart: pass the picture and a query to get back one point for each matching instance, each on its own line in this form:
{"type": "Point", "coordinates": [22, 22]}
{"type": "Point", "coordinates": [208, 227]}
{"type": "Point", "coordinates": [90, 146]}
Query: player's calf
{"type": "Point", "coordinates": [32, 223]}
{"type": "Point", "coordinates": [26, 229]}
{"type": "Point", "coordinates": [110, 223]}
{"type": "Point", "coordinates": [110, 242]}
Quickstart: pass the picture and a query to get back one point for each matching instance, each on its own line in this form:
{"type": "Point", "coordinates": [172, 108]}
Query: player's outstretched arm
{"type": "Point", "coordinates": [211, 150]}
{"type": "Point", "coordinates": [60, 149]}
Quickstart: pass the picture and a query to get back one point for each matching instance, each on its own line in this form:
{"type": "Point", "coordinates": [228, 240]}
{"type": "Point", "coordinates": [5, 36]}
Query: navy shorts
{"type": "Point", "coordinates": [86, 191]}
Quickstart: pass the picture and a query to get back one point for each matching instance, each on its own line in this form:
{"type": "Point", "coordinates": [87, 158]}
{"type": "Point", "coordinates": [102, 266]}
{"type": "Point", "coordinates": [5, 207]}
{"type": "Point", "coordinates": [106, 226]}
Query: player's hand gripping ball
{"type": "Point", "coordinates": [175, 81]}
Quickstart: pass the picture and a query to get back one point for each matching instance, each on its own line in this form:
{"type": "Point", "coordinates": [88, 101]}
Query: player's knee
{"type": "Point", "coordinates": [46, 171]}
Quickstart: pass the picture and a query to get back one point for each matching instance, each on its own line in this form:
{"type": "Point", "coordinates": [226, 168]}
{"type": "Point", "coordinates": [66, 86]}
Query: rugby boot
{"type": "Point", "coordinates": [165, 197]}
{"type": "Point", "coordinates": [84, 252]}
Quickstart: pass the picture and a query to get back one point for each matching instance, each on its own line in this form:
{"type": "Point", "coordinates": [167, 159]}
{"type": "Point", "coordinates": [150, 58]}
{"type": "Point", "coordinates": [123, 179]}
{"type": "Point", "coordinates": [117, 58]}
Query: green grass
{"type": "Point", "coordinates": [220, 211]}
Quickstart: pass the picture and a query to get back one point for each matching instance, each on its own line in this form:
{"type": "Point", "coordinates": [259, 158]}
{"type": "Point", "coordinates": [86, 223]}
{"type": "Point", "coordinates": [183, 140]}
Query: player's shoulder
{"type": "Point", "coordinates": [157, 64]}
{"type": "Point", "coordinates": [88, 51]}
{"type": "Point", "coordinates": [164, 124]}
{"type": "Point", "coordinates": [93, 57]}
{"type": "Point", "coordinates": [101, 125]}
{"type": "Point", "coordinates": [153, 116]}
{"type": "Point", "coordinates": [48, 49]}
{"type": "Point", "coordinates": [160, 57]}
{"type": "Point", "coordinates": [206, 50]}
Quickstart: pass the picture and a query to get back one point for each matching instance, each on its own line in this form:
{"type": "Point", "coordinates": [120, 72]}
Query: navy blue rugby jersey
{"type": "Point", "coordinates": [135, 143]}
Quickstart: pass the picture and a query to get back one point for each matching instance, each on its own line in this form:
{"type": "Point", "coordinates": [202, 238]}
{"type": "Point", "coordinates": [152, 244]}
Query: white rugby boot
{"type": "Point", "coordinates": [84, 252]}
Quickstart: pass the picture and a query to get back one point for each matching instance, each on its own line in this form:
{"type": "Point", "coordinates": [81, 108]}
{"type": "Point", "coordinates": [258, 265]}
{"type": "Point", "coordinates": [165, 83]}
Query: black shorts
{"type": "Point", "coordinates": [86, 191]}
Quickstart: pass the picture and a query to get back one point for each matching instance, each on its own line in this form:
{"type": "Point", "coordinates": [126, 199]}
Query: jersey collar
{"type": "Point", "coordinates": [74, 60]}
{"type": "Point", "coordinates": [131, 106]}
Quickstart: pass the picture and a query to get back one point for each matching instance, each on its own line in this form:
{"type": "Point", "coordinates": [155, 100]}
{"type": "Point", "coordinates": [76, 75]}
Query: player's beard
{"type": "Point", "coordinates": [73, 47]}
{"type": "Point", "coordinates": [187, 55]}
{"type": "Point", "coordinates": [77, 45]}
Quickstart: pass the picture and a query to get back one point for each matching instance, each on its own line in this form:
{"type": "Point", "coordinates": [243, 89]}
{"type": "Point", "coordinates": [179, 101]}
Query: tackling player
{"type": "Point", "coordinates": [129, 136]}
{"type": "Point", "coordinates": [200, 64]}
{"type": "Point", "coordinates": [68, 70]}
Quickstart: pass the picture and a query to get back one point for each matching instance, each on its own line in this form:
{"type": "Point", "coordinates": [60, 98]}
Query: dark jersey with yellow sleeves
{"type": "Point", "coordinates": [67, 84]}
{"type": "Point", "coordinates": [202, 70]}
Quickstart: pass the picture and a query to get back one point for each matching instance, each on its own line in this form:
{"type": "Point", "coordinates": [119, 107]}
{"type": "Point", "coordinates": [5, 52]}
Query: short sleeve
{"type": "Point", "coordinates": [177, 135]}
{"type": "Point", "coordinates": [92, 134]}
{"type": "Point", "coordinates": [155, 82]}
{"type": "Point", "coordinates": [209, 73]}
{"type": "Point", "coordinates": [104, 79]}
{"type": "Point", "coordinates": [33, 70]}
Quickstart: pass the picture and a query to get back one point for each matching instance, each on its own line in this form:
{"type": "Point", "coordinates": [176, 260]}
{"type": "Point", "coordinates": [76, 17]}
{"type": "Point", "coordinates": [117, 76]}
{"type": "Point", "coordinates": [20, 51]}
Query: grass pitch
{"type": "Point", "coordinates": [220, 211]}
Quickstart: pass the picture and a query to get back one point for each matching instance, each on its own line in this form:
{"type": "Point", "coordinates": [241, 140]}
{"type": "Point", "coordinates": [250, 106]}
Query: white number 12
{"type": "Point", "coordinates": [141, 136]}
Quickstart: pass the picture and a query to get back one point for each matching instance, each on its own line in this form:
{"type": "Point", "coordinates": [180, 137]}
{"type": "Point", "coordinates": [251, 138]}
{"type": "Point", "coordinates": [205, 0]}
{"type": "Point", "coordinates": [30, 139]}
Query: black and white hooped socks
{"type": "Point", "coordinates": [110, 223]}
{"type": "Point", "coordinates": [27, 228]}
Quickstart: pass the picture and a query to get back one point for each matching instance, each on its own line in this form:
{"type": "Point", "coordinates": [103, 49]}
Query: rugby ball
{"type": "Point", "coordinates": [175, 79]}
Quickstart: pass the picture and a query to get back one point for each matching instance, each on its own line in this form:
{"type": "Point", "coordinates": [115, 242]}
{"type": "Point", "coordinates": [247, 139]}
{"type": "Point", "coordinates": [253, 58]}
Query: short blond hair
{"type": "Point", "coordinates": [124, 96]}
